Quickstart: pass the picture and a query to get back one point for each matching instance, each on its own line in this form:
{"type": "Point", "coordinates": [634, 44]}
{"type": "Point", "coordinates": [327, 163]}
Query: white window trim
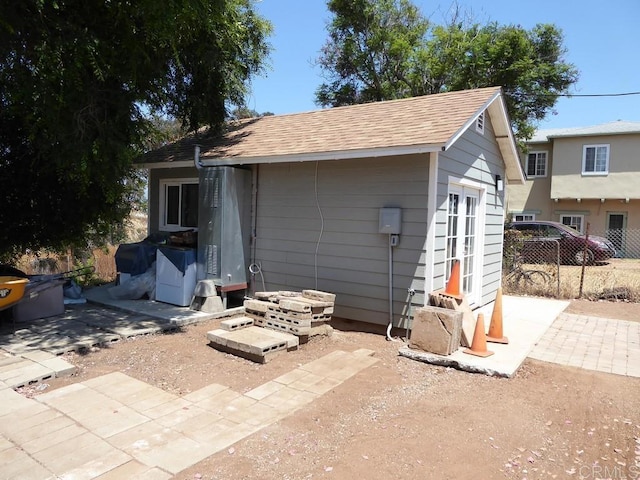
{"type": "Point", "coordinates": [480, 123]}
{"type": "Point", "coordinates": [584, 159]}
{"type": "Point", "coordinates": [546, 163]}
{"type": "Point", "coordinates": [562, 216]}
{"type": "Point", "coordinates": [164, 183]}
{"type": "Point", "coordinates": [524, 214]}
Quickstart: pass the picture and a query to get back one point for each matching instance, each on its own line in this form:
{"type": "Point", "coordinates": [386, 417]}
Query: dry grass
{"type": "Point", "coordinates": [101, 259]}
{"type": "Point", "coordinates": [616, 279]}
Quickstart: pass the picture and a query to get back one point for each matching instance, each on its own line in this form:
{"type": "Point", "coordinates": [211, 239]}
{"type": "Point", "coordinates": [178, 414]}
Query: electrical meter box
{"type": "Point", "coordinates": [390, 220]}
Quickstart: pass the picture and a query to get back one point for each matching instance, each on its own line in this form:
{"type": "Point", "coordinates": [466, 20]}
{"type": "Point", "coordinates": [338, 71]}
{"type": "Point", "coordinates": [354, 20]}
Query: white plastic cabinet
{"type": "Point", "coordinates": [175, 275]}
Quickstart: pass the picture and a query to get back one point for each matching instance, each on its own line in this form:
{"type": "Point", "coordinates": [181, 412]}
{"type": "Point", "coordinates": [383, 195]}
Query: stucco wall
{"type": "Point", "coordinates": [533, 197]}
{"type": "Point", "coordinates": [624, 168]}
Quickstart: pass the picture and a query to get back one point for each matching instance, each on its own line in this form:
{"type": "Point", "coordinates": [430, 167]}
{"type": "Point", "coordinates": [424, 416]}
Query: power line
{"type": "Point", "coordinates": [624, 94]}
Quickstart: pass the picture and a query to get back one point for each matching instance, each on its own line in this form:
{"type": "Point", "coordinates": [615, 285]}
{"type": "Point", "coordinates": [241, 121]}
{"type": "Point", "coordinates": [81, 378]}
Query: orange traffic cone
{"type": "Point", "coordinates": [495, 327]}
{"type": "Point", "coordinates": [453, 285]}
{"type": "Point", "coordinates": [479, 344]}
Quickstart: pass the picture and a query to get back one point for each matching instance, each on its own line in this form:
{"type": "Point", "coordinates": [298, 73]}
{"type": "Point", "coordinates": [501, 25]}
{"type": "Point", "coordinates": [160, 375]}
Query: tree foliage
{"type": "Point", "coordinates": [80, 82]}
{"type": "Point", "coordinates": [386, 49]}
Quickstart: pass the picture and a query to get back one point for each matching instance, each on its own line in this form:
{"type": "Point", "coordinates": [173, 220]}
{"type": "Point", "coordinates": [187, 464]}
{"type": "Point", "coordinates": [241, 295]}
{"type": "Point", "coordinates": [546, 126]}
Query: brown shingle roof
{"type": "Point", "coordinates": [428, 121]}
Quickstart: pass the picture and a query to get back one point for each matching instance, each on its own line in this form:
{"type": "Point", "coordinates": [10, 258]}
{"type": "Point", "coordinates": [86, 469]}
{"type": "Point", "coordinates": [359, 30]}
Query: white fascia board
{"type": "Point", "coordinates": [150, 166]}
{"type": "Point", "coordinates": [454, 138]}
{"type": "Point", "coordinates": [320, 156]}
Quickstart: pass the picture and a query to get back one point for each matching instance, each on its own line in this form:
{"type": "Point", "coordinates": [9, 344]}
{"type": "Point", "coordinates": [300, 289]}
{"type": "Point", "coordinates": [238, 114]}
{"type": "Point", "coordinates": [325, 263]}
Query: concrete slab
{"type": "Point", "coordinates": [17, 464]}
{"type": "Point", "coordinates": [525, 320]}
{"type": "Point", "coordinates": [179, 316]}
{"type": "Point", "coordinates": [134, 469]}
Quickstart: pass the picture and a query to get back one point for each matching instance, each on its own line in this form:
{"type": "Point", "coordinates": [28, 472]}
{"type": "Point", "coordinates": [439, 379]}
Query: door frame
{"type": "Point", "coordinates": [461, 185]}
{"type": "Point", "coordinates": [623, 239]}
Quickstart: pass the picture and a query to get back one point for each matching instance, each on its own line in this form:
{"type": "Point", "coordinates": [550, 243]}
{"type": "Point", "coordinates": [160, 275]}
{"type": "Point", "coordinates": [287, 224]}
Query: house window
{"type": "Point", "coordinates": [595, 160]}
{"type": "Point", "coordinates": [524, 217]}
{"type": "Point", "coordinates": [178, 204]}
{"type": "Point", "coordinates": [574, 221]}
{"type": "Point", "coordinates": [537, 164]}
{"type": "Point", "coordinates": [480, 123]}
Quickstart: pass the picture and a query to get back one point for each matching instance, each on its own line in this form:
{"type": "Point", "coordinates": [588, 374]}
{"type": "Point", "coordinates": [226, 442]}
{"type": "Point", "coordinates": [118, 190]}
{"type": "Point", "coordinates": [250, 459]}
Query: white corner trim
{"type": "Point", "coordinates": [432, 207]}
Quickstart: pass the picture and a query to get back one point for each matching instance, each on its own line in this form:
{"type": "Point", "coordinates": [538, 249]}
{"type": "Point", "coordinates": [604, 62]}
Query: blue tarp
{"type": "Point", "coordinates": [135, 258]}
{"type": "Point", "coordinates": [181, 258]}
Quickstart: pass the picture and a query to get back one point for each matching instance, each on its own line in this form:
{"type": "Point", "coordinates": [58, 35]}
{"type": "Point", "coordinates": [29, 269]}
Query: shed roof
{"type": "Point", "coordinates": [410, 125]}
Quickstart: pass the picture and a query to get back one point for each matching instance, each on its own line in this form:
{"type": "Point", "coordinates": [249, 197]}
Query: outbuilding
{"type": "Point", "coordinates": [372, 202]}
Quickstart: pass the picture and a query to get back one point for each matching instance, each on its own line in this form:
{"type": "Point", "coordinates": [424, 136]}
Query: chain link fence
{"type": "Point", "coordinates": [604, 267]}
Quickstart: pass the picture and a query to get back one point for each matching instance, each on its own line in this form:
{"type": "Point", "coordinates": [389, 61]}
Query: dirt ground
{"type": "Point", "coordinates": [401, 419]}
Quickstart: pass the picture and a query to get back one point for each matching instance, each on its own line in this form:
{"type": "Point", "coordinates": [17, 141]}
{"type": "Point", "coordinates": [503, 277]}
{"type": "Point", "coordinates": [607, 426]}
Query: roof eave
{"type": "Point", "coordinates": [497, 109]}
{"type": "Point", "coordinates": [154, 165]}
{"type": "Point", "coordinates": [211, 161]}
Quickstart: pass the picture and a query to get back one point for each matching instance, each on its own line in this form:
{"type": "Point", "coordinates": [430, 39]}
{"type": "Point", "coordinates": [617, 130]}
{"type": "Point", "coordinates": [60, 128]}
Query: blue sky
{"type": "Point", "coordinates": [601, 37]}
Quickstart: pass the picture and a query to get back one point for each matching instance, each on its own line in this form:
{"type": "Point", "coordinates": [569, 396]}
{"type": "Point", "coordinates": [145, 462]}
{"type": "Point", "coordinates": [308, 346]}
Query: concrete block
{"type": "Point", "coordinates": [236, 323]}
{"type": "Point", "coordinates": [217, 336]}
{"type": "Point", "coordinates": [207, 304]}
{"type": "Point", "coordinates": [287, 327]}
{"type": "Point", "coordinates": [441, 299]}
{"type": "Point", "coordinates": [317, 306]}
{"type": "Point", "coordinates": [61, 367]}
{"type": "Point", "coordinates": [436, 330]}
{"type": "Point", "coordinates": [283, 317]}
{"type": "Point", "coordinates": [257, 306]}
{"type": "Point", "coordinates": [265, 296]}
{"type": "Point", "coordinates": [318, 295]}
{"type": "Point", "coordinates": [294, 305]}
{"type": "Point", "coordinates": [254, 343]}
{"type": "Point", "coordinates": [321, 329]}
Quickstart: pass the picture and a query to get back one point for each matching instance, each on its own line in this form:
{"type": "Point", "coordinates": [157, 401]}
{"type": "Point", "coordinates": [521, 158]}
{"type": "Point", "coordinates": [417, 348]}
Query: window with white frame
{"type": "Point", "coordinates": [524, 217]}
{"type": "Point", "coordinates": [178, 204]}
{"type": "Point", "coordinates": [536, 164]}
{"type": "Point", "coordinates": [574, 221]}
{"type": "Point", "coordinates": [480, 123]}
{"type": "Point", "coordinates": [595, 160]}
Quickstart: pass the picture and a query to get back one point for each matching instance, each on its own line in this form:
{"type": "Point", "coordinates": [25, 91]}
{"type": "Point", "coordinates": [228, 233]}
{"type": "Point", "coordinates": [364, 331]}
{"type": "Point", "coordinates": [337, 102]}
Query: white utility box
{"type": "Point", "coordinates": [175, 275]}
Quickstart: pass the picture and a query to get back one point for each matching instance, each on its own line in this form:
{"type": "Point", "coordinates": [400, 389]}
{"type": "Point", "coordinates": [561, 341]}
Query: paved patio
{"type": "Point", "coordinates": [119, 427]}
{"type": "Point", "coordinates": [592, 343]}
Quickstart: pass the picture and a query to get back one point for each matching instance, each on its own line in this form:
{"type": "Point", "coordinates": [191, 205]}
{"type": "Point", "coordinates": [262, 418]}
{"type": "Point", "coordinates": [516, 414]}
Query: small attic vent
{"type": "Point", "coordinates": [480, 123]}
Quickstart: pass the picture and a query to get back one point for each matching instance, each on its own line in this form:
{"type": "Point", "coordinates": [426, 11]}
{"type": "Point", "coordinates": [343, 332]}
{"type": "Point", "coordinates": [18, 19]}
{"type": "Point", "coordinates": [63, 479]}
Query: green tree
{"type": "Point", "coordinates": [80, 82]}
{"type": "Point", "coordinates": [385, 49]}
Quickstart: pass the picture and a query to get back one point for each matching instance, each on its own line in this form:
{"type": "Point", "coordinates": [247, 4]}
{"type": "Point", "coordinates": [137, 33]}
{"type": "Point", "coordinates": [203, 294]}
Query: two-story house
{"type": "Point", "coordinates": [583, 175]}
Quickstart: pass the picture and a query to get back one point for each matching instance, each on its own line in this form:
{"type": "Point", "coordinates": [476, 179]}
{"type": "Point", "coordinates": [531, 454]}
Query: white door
{"type": "Point", "coordinates": [462, 238]}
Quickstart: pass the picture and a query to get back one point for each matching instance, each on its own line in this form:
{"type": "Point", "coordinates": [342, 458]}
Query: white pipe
{"type": "Point", "coordinates": [390, 291]}
{"type": "Point", "coordinates": [196, 157]}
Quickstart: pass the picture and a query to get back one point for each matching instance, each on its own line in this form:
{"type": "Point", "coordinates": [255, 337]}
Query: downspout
{"type": "Point", "coordinates": [196, 158]}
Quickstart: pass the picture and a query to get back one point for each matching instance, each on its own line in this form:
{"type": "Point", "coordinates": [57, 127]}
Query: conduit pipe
{"type": "Point", "coordinates": [390, 326]}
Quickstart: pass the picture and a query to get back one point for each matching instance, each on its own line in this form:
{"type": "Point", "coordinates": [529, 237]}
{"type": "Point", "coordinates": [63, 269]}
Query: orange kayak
{"type": "Point", "coordinates": [11, 290]}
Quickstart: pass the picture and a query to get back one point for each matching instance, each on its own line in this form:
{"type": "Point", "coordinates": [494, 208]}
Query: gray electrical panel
{"type": "Point", "coordinates": [390, 220]}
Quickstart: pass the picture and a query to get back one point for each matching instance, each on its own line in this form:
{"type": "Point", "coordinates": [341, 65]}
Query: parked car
{"type": "Point", "coordinates": [542, 239]}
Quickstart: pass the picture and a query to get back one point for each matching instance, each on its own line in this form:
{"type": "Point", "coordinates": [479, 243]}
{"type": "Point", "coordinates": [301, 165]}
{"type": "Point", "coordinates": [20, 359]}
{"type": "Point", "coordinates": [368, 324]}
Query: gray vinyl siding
{"type": "Point", "coordinates": [474, 157]}
{"type": "Point", "coordinates": [155, 176]}
{"type": "Point", "coordinates": [332, 207]}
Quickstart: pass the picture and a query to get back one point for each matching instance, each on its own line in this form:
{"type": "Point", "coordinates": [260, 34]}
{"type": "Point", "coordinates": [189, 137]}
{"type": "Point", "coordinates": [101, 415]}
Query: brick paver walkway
{"type": "Point", "coordinates": [593, 343]}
